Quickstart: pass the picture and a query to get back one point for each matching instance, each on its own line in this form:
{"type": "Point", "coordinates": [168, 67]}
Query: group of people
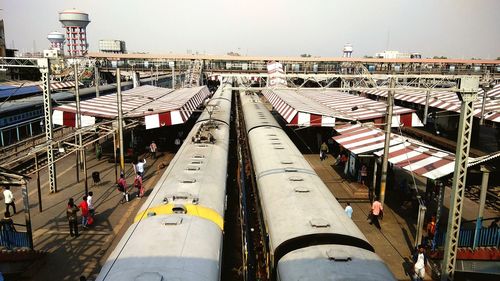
{"type": "Point", "coordinates": [86, 207]}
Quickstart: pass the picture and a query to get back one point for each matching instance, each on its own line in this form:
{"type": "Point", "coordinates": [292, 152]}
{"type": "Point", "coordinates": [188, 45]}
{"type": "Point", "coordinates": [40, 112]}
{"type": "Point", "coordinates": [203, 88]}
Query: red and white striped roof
{"type": "Point", "coordinates": [166, 106]}
{"type": "Point", "coordinates": [449, 100]}
{"type": "Point", "coordinates": [300, 111]}
{"type": "Point", "coordinates": [62, 85]}
{"type": "Point", "coordinates": [320, 108]}
{"type": "Point", "coordinates": [423, 160]}
{"type": "Point", "coordinates": [361, 139]}
{"type": "Point", "coordinates": [405, 153]}
{"type": "Point", "coordinates": [365, 109]}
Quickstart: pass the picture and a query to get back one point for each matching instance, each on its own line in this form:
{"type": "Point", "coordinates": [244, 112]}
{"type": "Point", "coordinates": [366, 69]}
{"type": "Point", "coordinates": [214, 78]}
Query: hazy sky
{"type": "Point", "coordinates": [453, 28]}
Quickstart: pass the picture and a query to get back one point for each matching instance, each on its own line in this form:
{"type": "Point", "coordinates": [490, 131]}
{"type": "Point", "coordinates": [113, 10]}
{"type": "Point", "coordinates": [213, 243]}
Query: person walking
{"type": "Point", "coordinates": [323, 151]}
{"type": "Point", "coordinates": [420, 260]}
{"type": "Point", "coordinates": [138, 184]}
{"type": "Point", "coordinates": [140, 167]}
{"type": "Point", "coordinates": [90, 204]}
{"type": "Point", "coordinates": [122, 187]}
{"type": "Point", "coordinates": [376, 213]}
{"type": "Point", "coordinates": [85, 211]}
{"type": "Point", "coordinates": [363, 172]}
{"type": "Point", "coordinates": [348, 210]}
{"type": "Point", "coordinates": [9, 200]}
{"type": "Point", "coordinates": [153, 149]}
{"type": "Point", "coordinates": [71, 214]}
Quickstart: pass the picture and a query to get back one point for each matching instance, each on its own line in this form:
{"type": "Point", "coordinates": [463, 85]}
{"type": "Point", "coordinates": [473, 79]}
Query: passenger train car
{"type": "Point", "coordinates": [309, 235]}
{"type": "Point", "coordinates": [177, 233]}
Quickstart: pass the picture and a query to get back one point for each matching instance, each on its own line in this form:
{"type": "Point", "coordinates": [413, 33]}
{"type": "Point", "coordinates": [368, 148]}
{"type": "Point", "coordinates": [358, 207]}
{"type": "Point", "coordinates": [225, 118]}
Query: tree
{"type": "Point", "coordinates": [440, 57]}
{"type": "Point", "coordinates": [305, 55]}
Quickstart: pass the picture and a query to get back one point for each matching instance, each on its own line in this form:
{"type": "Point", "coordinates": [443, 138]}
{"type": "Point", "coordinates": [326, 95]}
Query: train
{"type": "Point", "coordinates": [178, 232]}
{"type": "Point", "coordinates": [309, 236]}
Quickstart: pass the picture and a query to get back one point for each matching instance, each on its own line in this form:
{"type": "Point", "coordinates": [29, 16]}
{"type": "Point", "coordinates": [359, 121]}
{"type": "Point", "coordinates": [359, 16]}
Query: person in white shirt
{"type": "Point", "coordinates": [419, 266]}
{"type": "Point", "coordinates": [140, 168]}
{"type": "Point", "coordinates": [9, 199]}
{"type": "Point", "coordinates": [348, 210]}
{"type": "Point", "coordinates": [90, 203]}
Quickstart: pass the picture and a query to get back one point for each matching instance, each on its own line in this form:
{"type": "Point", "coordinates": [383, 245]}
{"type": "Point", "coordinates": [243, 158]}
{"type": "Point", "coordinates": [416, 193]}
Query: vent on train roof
{"type": "Point", "coordinates": [191, 168]}
{"type": "Point", "coordinates": [271, 135]}
{"type": "Point", "coordinates": [338, 255]}
{"type": "Point", "coordinates": [276, 142]}
{"type": "Point", "coordinates": [202, 145]}
{"type": "Point", "coordinates": [170, 220]}
{"type": "Point", "coordinates": [188, 180]}
{"type": "Point", "coordinates": [149, 276]}
{"type": "Point", "coordinates": [196, 162]}
{"type": "Point", "coordinates": [286, 162]}
{"type": "Point", "coordinates": [290, 170]}
{"type": "Point", "coordinates": [198, 156]}
{"type": "Point", "coordinates": [179, 209]}
{"type": "Point", "coordinates": [274, 139]}
{"type": "Point", "coordinates": [279, 147]}
{"type": "Point", "coordinates": [302, 189]}
{"type": "Point", "coordinates": [319, 223]}
{"type": "Point", "coordinates": [295, 179]}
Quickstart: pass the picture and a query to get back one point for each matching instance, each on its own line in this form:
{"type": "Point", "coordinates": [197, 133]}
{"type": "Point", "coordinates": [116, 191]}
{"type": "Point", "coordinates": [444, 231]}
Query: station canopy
{"type": "Point", "coordinates": [405, 153]}
{"type": "Point", "coordinates": [157, 106]}
{"type": "Point", "coordinates": [449, 101]}
{"type": "Point", "coordinates": [314, 107]}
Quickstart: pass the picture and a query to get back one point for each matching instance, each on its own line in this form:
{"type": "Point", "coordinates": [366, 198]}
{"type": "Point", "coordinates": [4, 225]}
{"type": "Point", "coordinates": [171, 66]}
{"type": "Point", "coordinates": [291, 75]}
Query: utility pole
{"type": "Point", "coordinates": [388, 124]}
{"type": "Point", "coordinates": [468, 87]}
{"type": "Point", "coordinates": [78, 115]}
{"type": "Point", "coordinates": [120, 118]}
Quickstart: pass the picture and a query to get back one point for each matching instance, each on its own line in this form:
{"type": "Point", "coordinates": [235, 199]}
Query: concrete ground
{"type": "Point", "coordinates": [68, 258]}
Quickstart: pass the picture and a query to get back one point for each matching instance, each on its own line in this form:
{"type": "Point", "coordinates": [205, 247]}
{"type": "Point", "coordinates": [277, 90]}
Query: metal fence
{"type": "Point", "coordinates": [488, 237]}
{"type": "Point", "coordinates": [13, 239]}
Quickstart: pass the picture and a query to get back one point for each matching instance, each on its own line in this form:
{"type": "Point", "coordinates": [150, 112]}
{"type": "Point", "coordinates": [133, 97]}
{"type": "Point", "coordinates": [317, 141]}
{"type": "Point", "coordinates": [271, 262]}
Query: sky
{"type": "Point", "coordinates": [451, 28]}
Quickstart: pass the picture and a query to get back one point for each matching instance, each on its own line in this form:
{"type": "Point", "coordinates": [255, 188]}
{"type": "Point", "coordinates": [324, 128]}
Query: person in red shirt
{"type": "Point", "coordinates": [84, 207]}
{"type": "Point", "coordinates": [138, 184]}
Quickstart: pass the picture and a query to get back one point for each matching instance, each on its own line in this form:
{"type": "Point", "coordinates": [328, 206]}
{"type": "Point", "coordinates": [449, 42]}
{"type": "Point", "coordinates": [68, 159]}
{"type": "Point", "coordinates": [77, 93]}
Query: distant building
{"type": "Point", "coordinates": [397, 55]}
{"type": "Point", "coordinates": [2, 40]}
{"type": "Point", "coordinates": [112, 46]}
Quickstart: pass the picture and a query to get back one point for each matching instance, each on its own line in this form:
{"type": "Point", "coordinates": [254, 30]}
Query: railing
{"type": "Point", "coordinates": [488, 237]}
{"type": "Point", "coordinates": [13, 239]}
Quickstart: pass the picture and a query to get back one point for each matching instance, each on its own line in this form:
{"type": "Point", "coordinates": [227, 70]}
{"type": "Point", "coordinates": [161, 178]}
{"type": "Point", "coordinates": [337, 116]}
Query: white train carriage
{"type": "Point", "coordinates": [177, 234]}
{"type": "Point", "coordinates": [310, 236]}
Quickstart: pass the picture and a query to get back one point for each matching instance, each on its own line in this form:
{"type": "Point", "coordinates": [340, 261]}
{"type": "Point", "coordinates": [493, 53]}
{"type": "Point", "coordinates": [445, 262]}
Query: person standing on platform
{"type": "Point", "coordinates": [138, 184]}
{"type": "Point", "coordinates": [71, 213]}
{"type": "Point", "coordinates": [85, 211]}
{"type": "Point", "coordinates": [323, 151]}
{"type": "Point", "coordinates": [363, 172]}
{"type": "Point", "coordinates": [420, 260]}
{"type": "Point", "coordinates": [140, 168]}
{"type": "Point", "coordinates": [122, 187]}
{"type": "Point", "coordinates": [9, 200]}
{"type": "Point", "coordinates": [376, 213]}
{"type": "Point", "coordinates": [90, 204]}
{"type": "Point", "coordinates": [348, 210]}
{"type": "Point", "coordinates": [153, 149]}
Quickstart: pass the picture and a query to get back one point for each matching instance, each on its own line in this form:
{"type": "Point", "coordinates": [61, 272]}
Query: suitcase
{"type": "Point", "coordinates": [127, 197]}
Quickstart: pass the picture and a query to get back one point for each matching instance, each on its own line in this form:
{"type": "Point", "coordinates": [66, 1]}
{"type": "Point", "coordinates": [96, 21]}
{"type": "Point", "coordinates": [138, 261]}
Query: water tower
{"type": "Point", "coordinates": [56, 40]}
{"type": "Point", "coordinates": [75, 23]}
{"type": "Point", "coordinates": [347, 53]}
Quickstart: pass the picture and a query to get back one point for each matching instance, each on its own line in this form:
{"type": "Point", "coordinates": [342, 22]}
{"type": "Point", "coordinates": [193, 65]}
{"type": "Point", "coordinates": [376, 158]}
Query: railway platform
{"type": "Point", "coordinates": [394, 243]}
{"type": "Point", "coordinates": [67, 257]}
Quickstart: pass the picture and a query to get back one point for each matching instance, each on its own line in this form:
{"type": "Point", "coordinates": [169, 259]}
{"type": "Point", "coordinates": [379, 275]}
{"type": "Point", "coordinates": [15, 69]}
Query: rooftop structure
{"type": "Point", "coordinates": [112, 46]}
{"type": "Point", "coordinates": [347, 52]}
{"type": "Point", "coordinates": [75, 23]}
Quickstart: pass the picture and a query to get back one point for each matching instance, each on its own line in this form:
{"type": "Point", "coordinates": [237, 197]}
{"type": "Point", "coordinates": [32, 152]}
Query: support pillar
{"type": "Point", "coordinates": [27, 217]}
{"type": "Point", "coordinates": [374, 181]}
{"type": "Point", "coordinates": [482, 203]}
{"type": "Point", "coordinates": [420, 224]}
{"type": "Point", "coordinates": [44, 66]}
{"type": "Point", "coordinates": [38, 186]}
{"type": "Point", "coordinates": [426, 109]}
{"type": "Point", "coordinates": [97, 80]}
{"type": "Point", "coordinates": [120, 118]}
{"type": "Point", "coordinates": [483, 104]}
{"type": "Point", "coordinates": [468, 87]}
{"type": "Point", "coordinates": [388, 124]}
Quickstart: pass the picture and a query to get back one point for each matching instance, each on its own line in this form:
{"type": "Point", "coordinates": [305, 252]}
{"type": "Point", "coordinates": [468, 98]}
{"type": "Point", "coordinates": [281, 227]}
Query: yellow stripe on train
{"type": "Point", "coordinates": [188, 209]}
